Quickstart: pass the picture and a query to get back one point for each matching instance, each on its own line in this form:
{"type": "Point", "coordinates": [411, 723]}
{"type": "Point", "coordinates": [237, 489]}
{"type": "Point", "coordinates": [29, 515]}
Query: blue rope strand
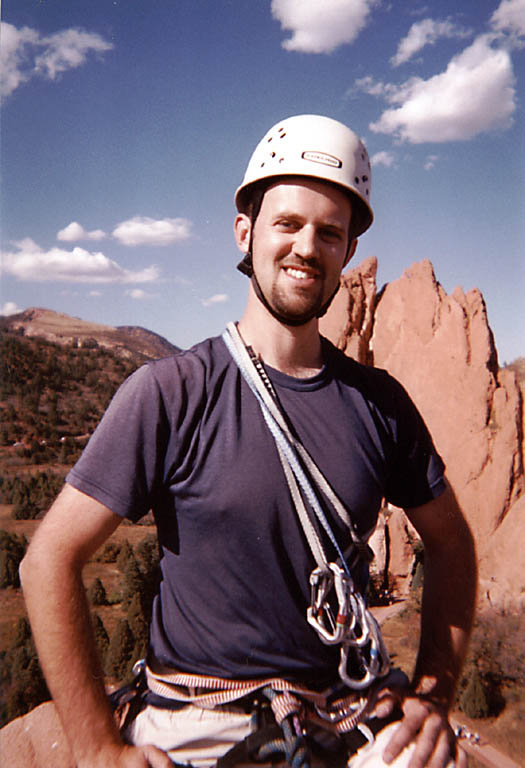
{"type": "Point", "coordinates": [288, 450]}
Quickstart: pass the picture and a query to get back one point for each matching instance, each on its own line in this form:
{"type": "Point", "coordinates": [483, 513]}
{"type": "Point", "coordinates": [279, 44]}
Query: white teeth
{"type": "Point", "coordinates": [297, 273]}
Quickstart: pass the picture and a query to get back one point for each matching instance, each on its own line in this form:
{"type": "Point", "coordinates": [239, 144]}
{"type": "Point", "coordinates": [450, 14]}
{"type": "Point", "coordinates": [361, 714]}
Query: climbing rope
{"type": "Point", "coordinates": [352, 625]}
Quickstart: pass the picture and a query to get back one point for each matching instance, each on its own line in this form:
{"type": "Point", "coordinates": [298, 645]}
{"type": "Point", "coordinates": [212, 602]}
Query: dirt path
{"type": "Point", "coordinates": [484, 752]}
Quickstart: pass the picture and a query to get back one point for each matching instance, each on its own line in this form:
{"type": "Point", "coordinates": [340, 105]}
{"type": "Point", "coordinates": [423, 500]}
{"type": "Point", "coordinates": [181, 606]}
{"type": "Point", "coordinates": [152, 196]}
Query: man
{"type": "Point", "coordinates": [253, 477]}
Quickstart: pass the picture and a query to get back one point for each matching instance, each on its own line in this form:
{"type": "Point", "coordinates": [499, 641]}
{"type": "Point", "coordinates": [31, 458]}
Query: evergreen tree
{"type": "Point", "coordinates": [148, 552]}
{"type": "Point", "coordinates": [417, 580]}
{"type": "Point", "coordinates": [124, 556]}
{"type": "Point", "coordinates": [132, 581]}
{"type": "Point", "coordinates": [22, 633]}
{"type": "Point", "coordinates": [473, 700]}
{"type": "Point", "coordinates": [12, 550]}
{"type": "Point", "coordinates": [97, 594]}
{"type": "Point", "coordinates": [101, 636]}
{"type": "Point", "coordinates": [138, 622]}
{"type": "Point", "coordinates": [119, 653]}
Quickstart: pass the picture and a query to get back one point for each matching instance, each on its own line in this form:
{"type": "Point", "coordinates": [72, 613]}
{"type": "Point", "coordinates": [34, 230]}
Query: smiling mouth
{"type": "Point", "coordinates": [301, 274]}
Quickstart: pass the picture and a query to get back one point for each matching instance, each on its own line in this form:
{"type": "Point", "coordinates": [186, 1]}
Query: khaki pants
{"type": "Point", "coordinates": [200, 736]}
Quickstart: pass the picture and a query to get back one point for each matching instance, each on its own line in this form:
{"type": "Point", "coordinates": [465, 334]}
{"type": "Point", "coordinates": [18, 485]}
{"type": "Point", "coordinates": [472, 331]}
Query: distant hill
{"type": "Point", "coordinates": [127, 341]}
{"type": "Point", "coordinates": [57, 376]}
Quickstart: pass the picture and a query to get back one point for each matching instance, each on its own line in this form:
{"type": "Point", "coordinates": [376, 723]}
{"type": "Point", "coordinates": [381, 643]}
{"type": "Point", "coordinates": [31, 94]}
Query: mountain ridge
{"type": "Point", "coordinates": [127, 341]}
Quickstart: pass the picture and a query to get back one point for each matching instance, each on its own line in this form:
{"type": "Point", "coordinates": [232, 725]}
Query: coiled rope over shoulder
{"type": "Point", "coordinates": [353, 625]}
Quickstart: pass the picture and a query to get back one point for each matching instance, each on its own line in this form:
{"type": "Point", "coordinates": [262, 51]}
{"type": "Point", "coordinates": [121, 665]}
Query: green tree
{"type": "Point", "coordinates": [12, 550]}
{"type": "Point", "coordinates": [96, 593]}
{"type": "Point", "coordinates": [138, 622]}
{"type": "Point", "coordinates": [101, 636]}
{"type": "Point", "coordinates": [132, 581]}
{"type": "Point", "coordinates": [124, 556]}
{"type": "Point", "coordinates": [119, 653]}
{"type": "Point", "coordinates": [473, 701]}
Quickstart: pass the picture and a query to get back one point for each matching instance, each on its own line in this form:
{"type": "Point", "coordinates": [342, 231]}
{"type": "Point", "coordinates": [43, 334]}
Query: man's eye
{"type": "Point", "coordinates": [331, 235]}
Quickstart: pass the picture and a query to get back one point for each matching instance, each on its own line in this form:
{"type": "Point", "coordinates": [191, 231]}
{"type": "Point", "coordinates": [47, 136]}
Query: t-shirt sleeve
{"type": "Point", "coordinates": [123, 463]}
{"type": "Point", "coordinates": [417, 474]}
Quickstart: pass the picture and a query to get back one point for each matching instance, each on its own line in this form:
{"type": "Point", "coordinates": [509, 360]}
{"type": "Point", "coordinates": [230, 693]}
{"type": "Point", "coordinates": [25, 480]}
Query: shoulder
{"type": "Point", "coordinates": [374, 384]}
{"type": "Point", "coordinates": [186, 367]}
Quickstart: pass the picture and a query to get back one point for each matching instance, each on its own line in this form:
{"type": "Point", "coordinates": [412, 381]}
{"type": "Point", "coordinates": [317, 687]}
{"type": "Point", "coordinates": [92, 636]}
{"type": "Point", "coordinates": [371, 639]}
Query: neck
{"type": "Point", "coordinates": [294, 350]}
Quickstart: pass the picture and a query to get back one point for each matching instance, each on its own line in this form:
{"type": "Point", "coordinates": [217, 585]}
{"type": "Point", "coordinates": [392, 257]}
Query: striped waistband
{"type": "Point", "coordinates": [208, 692]}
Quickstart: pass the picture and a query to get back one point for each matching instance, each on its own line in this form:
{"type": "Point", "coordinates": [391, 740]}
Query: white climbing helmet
{"type": "Point", "coordinates": [314, 146]}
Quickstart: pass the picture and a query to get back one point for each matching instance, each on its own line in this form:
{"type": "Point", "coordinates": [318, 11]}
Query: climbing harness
{"type": "Point", "coordinates": [290, 721]}
{"type": "Point", "coordinates": [351, 624]}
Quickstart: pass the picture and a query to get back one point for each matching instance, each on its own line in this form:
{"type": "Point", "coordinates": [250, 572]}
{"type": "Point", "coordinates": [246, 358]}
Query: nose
{"type": "Point", "coordinates": [305, 242]}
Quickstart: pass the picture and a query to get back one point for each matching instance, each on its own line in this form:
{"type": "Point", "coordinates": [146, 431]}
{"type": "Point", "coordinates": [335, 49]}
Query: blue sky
{"type": "Point", "coordinates": [127, 125]}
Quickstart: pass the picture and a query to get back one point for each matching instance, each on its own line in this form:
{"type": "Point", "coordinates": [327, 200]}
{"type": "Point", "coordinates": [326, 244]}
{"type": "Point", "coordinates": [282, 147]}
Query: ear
{"type": "Point", "coordinates": [351, 251]}
{"type": "Point", "coordinates": [242, 229]}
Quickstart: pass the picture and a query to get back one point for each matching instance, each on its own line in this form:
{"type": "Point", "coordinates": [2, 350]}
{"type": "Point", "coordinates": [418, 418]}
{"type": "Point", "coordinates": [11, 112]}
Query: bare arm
{"type": "Point", "coordinates": [449, 592]}
{"type": "Point", "coordinates": [51, 576]}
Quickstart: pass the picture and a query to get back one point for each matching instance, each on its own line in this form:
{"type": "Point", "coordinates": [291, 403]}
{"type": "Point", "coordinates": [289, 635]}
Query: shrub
{"type": "Point", "coordinates": [473, 701]}
{"type": "Point", "coordinates": [110, 553]}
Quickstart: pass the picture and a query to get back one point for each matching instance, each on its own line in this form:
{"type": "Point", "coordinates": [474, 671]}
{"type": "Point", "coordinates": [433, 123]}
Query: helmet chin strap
{"type": "Point", "coordinates": [246, 267]}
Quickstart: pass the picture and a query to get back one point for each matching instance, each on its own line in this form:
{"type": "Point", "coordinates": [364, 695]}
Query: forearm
{"type": "Point", "coordinates": [447, 613]}
{"type": "Point", "coordinates": [59, 615]}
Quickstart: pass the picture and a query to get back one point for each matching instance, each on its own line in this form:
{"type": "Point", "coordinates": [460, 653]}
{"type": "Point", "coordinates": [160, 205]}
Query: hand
{"type": "Point", "coordinates": [125, 756]}
{"type": "Point", "coordinates": [424, 723]}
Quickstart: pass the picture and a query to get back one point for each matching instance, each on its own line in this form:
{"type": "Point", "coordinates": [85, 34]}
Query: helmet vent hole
{"type": "Point", "coordinates": [356, 179]}
{"type": "Point", "coordinates": [365, 178]}
{"type": "Point", "coordinates": [273, 154]}
{"type": "Point", "coordinates": [282, 135]}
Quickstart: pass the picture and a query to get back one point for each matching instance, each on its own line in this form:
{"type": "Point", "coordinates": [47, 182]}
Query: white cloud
{"type": "Point", "coordinates": [10, 308]}
{"type": "Point", "coordinates": [430, 162]}
{"type": "Point", "coordinates": [321, 27]}
{"type": "Point", "coordinates": [14, 54]}
{"type": "Point", "coordinates": [26, 54]}
{"type": "Point", "coordinates": [509, 16]}
{"type": "Point", "coordinates": [382, 158]}
{"type": "Point", "coordinates": [75, 231]}
{"type": "Point", "coordinates": [30, 263]}
{"type": "Point", "coordinates": [142, 230]}
{"type": "Point", "coordinates": [138, 294]}
{"type": "Point", "coordinates": [67, 49]}
{"type": "Point", "coordinates": [422, 33]}
{"type": "Point", "coordinates": [217, 298]}
{"type": "Point", "coordinates": [475, 94]}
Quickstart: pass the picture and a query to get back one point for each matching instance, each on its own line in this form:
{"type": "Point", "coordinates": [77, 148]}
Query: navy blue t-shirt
{"type": "Point", "coordinates": [185, 437]}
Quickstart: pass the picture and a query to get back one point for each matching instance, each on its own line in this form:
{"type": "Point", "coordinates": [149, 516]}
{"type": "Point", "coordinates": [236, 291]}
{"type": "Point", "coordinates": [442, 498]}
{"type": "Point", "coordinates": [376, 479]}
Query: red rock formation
{"type": "Point", "coordinates": [441, 349]}
{"type": "Point", "coordinates": [349, 321]}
